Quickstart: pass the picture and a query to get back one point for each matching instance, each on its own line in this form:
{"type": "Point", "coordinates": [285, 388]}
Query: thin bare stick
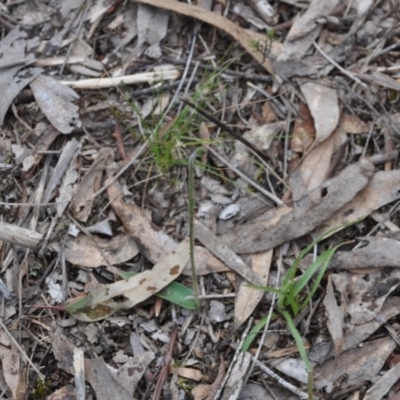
{"type": "Point", "coordinates": [271, 196]}
{"type": "Point", "coordinates": [40, 375]}
{"type": "Point", "coordinates": [341, 69]}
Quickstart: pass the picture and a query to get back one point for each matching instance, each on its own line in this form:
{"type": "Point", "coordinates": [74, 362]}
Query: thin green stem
{"type": "Point", "coordinates": [192, 159]}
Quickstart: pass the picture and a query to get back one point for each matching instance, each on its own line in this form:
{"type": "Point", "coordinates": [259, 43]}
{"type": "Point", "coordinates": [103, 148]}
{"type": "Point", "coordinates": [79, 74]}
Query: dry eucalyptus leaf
{"type": "Point", "coordinates": [358, 365]}
{"type": "Point", "coordinates": [82, 202]}
{"type": "Point", "coordinates": [55, 101]}
{"type": "Point", "coordinates": [152, 24]}
{"type": "Point", "coordinates": [305, 30]}
{"type": "Point", "coordinates": [390, 308]}
{"type": "Point", "coordinates": [248, 298]}
{"type": "Point", "coordinates": [352, 124]}
{"type": "Point", "coordinates": [106, 387]}
{"type": "Point", "coordinates": [335, 316]}
{"type": "Point", "coordinates": [303, 134]}
{"type": "Point", "coordinates": [15, 54]}
{"type": "Point", "coordinates": [363, 295]}
{"type": "Point", "coordinates": [106, 300]}
{"type": "Point", "coordinates": [15, 372]}
{"type": "Point", "coordinates": [306, 181]}
{"type": "Point", "coordinates": [376, 252]}
{"type": "Point", "coordinates": [383, 189]}
{"type": "Point", "coordinates": [384, 384]}
{"type": "Point", "coordinates": [224, 253]}
{"type": "Point", "coordinates": [255, 237]}
{"type": "Point", "coordinates": [323, 104]}
{"type": "Point", "coordinates": [93, 252]}
{"type": "Point", "coordinates": [67, 188]}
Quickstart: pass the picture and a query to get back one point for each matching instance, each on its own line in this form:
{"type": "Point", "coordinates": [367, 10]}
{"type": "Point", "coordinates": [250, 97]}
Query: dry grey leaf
{"type": "Point", "coordinates": [14, 55]}
{"type": "Point", "coordinates": [152, 26]}
{"type": "Point", "coordinates": [66, 392]}
{"type": "Point", "coordinates": [55, 101]}
{"type": "Point", "coordinates": [103, 383]}
{"type": "Point", "coordinates": [254, 237]}
{"type": "Point", "coordinates": [383, 189]}
{"type": "Point", "coordinates": [248, 14]}
{"type": "Point", "coordinates": [129, 27]}
{"type": "Point", "coordinates": [335, 316]}
{"type": "Point", "coordinates": [376, 252]}
{"type": "Point", "coordinates": [67, 189]}
{"type": "Point", "coordinates": [82, 202]}
{"type": "Point", "coordinates": [94, 252]}
{"type": "Point", "coordinates": [362, 6]}
{"type": "Point", "coordinates": [385, 81]}
{"type": "Point", "coordinates": [69, 151]}
{"type": "Point", "coordinates": [305, 30]}
{"type": "Point", "coordinates": [390, 309]}
{"type": "Point", "coordinates": [293, 367]}
{"type": "Point", "coordinates": [63, 349]}
{"type": "Point", "coordinates": [259, 136]}
{"type": "Point", "coordinates": [324, 107]}
{"type": "Point", "coordinates": [102, 227]}
{"type": "Point", "coordinates": [224, 253]}
{"type": "Point", "coordinates": [363, 295]}
{"type": "Point", "coordinates": [358, 365]}
{"type": "Point", "coordinates": [384, 384]}
{"type": "Point", "coordinates": [98, 9]}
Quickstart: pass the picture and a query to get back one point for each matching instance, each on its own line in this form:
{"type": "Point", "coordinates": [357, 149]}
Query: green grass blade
{"type": "Point", "coordinates": [320, 275]}
{"type": "Point", "coordinates": [311, 270]}
{"type": "Point", "coordinates": [299, 342]}
{"type": "Point", "coordinates": [257, 328]}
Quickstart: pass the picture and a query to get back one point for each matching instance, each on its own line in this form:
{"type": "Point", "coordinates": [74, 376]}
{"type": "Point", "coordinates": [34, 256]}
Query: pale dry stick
{"type": "Point", "coordinates": [182, 80]}
{"type": "Point", "coordinates": [3, 203]}
{"type": "Point", "coordinates": [78, 31]}
{"type": "Point", "coordinates": [275, 199]}
{"type": "Point", "coordinates": [166, 73]}
{"type": "Point", "coordinates": [214, 296]}
{"type": "Point", "coordinates": [189, 83]}
{"type": "Point", "coordinates": [341, 69]}
{"type": "Point", "coordinates": [79, 370]}
{"type": "Point", "coordinates": [385, 221]}
{"type": "Point", "coordinates": [236, 356]}
{"type": "Point", "coordinates": [19, 236]}
{"type": "Point", "coordinates": [281, 381]}
{"type": "Point", "coordinates": [266, 327]}
{"type": "Point", "coordinates": [40, 375]}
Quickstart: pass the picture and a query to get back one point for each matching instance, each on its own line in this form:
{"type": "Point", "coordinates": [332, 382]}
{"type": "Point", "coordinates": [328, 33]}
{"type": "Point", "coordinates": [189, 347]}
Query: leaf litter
{"type": "Point", "coordinates": [296, 106]}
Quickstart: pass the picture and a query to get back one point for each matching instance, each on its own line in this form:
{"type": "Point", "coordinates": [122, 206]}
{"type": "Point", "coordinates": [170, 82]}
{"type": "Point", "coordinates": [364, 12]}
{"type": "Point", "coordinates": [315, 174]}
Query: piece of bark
{"type": "Point", "coordinates": [379, 252]}
{"type": "Point", "coordinates": [340, 190]}
{"type": "Point", "coordinates": [19, 236]}
{"type": "Point", "coordinates": [225, 254]}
